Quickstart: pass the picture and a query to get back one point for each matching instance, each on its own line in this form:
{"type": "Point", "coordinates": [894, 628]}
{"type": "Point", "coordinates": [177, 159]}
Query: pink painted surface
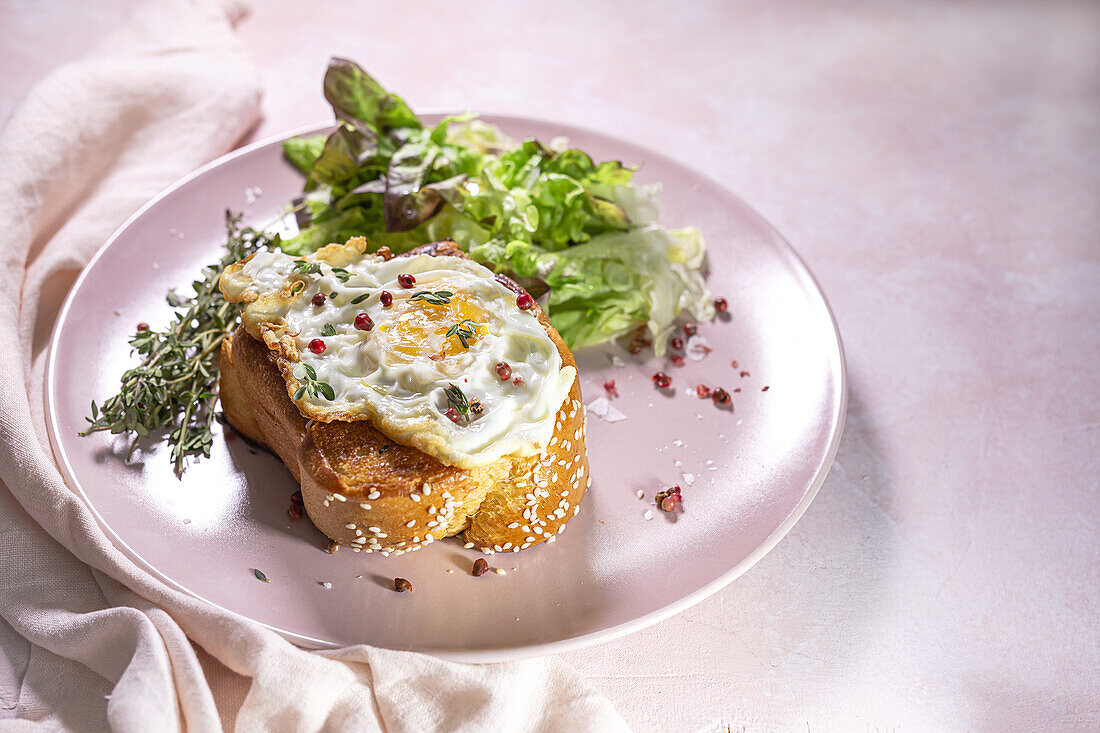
{"type": "Point", "coordinates": [938, 166]}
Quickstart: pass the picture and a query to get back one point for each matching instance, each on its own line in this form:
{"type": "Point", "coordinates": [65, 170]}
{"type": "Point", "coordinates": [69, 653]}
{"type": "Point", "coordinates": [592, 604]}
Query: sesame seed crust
{"type": "Point", "coordinates": [523, 513]}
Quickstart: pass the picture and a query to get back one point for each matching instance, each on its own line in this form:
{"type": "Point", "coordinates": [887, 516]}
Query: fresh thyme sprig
{"type": "Point", "coordinates": [341, 274]}
{"type": "Point", "coordinates": [439, 297]}
{"type": "Point", "coordinates": [302, 267]}
{"type": "Point", "coordinates": [457, 400]}
{"type": "Point", "coordinates": [307, 377]}
{"type": "Point", "coordinates": [173, 388]}
{"type": "Point", "coordinates": [463, 331]}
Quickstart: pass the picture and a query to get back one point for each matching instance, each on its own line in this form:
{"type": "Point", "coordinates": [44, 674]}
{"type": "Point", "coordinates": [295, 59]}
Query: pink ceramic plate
{"type": "Point", "coordinates": [747, 475]}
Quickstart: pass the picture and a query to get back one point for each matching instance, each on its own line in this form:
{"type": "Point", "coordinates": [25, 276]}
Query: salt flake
{"type": "Point", "coordinates": [602, 408]}
{"type": "Point", "coordinates": [697, 348]}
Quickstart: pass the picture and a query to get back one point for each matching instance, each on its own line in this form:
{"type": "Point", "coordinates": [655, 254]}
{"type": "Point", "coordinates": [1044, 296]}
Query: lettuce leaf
{"type": "Point", "coordinates": [546, 215]}
{"type": "Point", "coordinates": [345, 154]}
{"type": "Point", "coordinates": [360, 100]}
{"type": "Point", "coordinates": [338, 228]}
{"type": "Point", "coordinates": [303, 152]}
{"type": "Point", "coordinates": [616, 282]}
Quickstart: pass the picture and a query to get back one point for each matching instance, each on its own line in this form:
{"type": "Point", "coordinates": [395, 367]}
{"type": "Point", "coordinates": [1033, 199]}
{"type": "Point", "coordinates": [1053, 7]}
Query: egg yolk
{"type": "Point", "coordinates": [420, 329]}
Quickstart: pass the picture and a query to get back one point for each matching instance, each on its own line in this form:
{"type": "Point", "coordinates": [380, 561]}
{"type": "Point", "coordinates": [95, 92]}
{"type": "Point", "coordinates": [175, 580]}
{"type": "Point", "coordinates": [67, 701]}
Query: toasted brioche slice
{"type": "Point", "coordinates": [367, 491]}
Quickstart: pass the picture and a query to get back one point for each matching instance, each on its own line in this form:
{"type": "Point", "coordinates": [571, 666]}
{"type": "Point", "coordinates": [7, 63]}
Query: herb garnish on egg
{"type": "Point", "coordinates": [439, 297]}
{"type": "Point", "coordinates": [457, 400]}
{"type": "Point", "coordinates": [303, 267]}
{"type": "Point", "coordinates": [464, 332]}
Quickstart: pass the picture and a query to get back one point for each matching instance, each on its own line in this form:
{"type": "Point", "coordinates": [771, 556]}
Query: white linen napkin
{"type": "Point", "coordinates": [109, 644]}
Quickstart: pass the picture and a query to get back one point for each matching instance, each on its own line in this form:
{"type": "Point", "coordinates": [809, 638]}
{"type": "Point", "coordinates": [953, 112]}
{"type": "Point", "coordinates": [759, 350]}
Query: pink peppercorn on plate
{"type": "Point", "coordinates": [701, 459]}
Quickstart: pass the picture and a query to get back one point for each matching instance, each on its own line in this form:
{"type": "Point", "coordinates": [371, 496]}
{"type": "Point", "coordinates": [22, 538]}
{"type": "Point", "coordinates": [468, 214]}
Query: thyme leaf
{"type": "Point", "coordinates": [328, 330]}
{"type": "Point", "coordinates": [466, 330]}
{"type": "Point", "coordinates": [309, 384]}
{"type": "Point", "coordinates": [439, 297]}
{"type": "Point", "coordinates": [302, 267]}
{"type": "Point", "coordinates": [457, 400]}
{"type": "Point", "coordinates": [175, 300]}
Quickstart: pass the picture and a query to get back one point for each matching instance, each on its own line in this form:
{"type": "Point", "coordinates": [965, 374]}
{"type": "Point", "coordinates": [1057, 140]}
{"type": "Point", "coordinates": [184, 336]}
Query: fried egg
{"type": "Point", "coordinates": [413, 366]}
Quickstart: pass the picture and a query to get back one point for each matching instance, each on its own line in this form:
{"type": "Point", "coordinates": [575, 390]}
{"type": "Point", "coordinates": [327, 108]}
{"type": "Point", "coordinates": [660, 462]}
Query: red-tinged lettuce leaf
{"type": "Point", "coordinates": [365, 194]}
{"type": "Point", "coordinates": [414, 209]}
{"type": "Point", "coordinates": [410, 200]}
{"type": "Point", "coordinates": [345, 152]}
{"type": "Point", "coordinates": [405, 205]}
{"type": "Point", "coordinates": [405, 213]}
{"type": "Point", "coordinates": [536, 287]}
{"type": "Point", "coordinates": [356, 96]}
{"type": "Point", "coordinates": [447, 223]}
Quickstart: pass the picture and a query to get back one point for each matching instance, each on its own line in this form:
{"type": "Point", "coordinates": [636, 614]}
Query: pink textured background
{"type": "Point", "coordinates": [938, 166]}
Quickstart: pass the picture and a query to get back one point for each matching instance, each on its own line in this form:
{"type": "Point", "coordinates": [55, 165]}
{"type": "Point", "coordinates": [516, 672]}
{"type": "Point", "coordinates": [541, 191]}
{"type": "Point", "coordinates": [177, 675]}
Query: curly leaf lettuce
{"type": "Point", "coordinates": [549, 216]}
{"type": "Point", "coordinates": [605, 288]}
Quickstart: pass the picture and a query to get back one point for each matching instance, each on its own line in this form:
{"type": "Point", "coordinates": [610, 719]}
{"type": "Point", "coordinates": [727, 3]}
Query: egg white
{"type": "Point", "coordinates": [388, 374]}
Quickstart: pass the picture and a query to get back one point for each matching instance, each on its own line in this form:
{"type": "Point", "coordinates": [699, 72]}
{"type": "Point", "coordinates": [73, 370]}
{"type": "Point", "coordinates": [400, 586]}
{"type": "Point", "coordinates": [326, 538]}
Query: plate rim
{"type": "Point", "coordinates": [478, 656]}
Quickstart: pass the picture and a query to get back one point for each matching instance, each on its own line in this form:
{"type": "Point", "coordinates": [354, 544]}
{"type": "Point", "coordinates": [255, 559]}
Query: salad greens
{"type": "Point", "coordinates": [528, 210]}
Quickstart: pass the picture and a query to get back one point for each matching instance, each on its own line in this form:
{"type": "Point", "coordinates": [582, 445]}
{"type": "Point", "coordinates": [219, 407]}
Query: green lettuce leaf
{"type": "Point", "coordinates": [303, 152]}
{"type": "Point", "coordinates": [534, 194]}
{"type": "Point", "coordinates": [549, 216]}
{"type": "Point", "coordinates": [617, 282]}
{"type": "Point", "coordinates": [340, 228]}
